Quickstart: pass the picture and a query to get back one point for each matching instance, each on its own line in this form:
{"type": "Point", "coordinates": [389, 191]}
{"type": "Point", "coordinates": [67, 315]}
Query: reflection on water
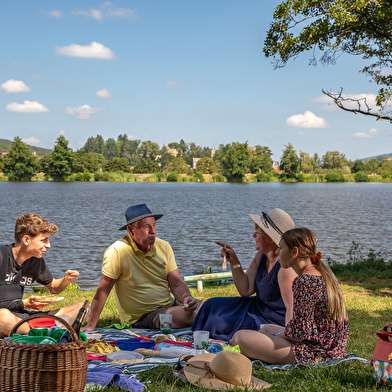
{"type": "Point", "coordinates": [195, 215]}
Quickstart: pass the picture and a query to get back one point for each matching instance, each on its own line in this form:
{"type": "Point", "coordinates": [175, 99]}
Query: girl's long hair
{"type": "Point", "coordinates": [306, 242]}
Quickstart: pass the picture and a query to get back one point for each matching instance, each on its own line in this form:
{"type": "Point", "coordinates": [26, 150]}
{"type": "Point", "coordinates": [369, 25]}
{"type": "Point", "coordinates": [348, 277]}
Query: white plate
{"type": "Point", "coordinates": [127, 355]}
{"type": "Point", "coordinates": [51, 300]}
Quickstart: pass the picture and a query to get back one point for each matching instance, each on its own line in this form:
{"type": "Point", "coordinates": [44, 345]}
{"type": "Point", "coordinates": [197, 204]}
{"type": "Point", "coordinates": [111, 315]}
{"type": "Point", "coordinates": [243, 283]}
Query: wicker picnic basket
{"type": "Point", "coordinates": [26, 367]}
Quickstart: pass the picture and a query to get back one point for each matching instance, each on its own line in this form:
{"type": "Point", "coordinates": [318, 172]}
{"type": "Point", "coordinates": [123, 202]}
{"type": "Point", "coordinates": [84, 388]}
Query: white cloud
{"type": "Point", "coordinates": [56, 14]}
{"type": "Point", "coordinates": [62, 133]}
{"type": "Point", "coordinates": [301, 132]}
{"type": "Point", "coordinates": [108, 10]}
{"type": "Point", "coordinates": [15, 86]}
{"type": "Point", "coordinates": [83, 112]}
{"type": "Point", "coordinates": [27, 107]}
{"type": "Point", "coordinates": [31, 140]}
{"type": "Point", "coordinates": [104, 93]}
{"type": "Point", "coordinates": [371, 133]}
{"type": "Point", "coordinates": [94, 50]}
{"type": "Point", "coordinates": [173, 83]}
{"type": "Point", "coordinates": [361, 134]}
{"type": "Point", "coordinates": [306, 120]}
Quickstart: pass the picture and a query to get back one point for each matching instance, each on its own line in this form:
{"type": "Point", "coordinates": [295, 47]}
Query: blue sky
{"type": "Point", "coordinates": [170, 70]}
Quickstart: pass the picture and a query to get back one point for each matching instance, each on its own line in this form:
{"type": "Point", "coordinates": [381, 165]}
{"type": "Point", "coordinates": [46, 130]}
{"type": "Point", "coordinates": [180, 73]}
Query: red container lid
{"type": "Point", "coordinates": [42, 322]}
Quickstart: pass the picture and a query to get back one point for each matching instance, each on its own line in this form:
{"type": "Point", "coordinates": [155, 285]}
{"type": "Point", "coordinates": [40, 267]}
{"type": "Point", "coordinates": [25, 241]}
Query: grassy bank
{"type": "Point", "coordinates": [369, 309]}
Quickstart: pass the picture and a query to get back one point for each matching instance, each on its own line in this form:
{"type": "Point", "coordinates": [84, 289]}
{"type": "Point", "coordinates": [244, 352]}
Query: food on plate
{"type": "Point", "coordinates": [49, 298]}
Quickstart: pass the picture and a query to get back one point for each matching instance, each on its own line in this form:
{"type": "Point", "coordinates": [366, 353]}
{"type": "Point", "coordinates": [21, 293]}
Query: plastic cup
{"type": "Point", "coordinates": [165, 321]}
{"type": "Point", "coordinates": [201, 339]}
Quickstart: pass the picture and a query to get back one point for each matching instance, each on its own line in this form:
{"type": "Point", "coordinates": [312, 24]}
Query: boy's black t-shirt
{"type": "Point", "coordinates": [33, 269]}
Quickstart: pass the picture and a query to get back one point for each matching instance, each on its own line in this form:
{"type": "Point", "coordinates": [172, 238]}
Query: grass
{"type": "Point", "coordinates": [369, 306]}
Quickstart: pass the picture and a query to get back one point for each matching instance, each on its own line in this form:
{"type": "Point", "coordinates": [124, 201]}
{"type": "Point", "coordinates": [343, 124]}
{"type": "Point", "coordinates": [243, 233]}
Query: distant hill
{"type": "Point", "coordinates": [379, 157]}
{"type": "Point", "coordinates": [5, 146]}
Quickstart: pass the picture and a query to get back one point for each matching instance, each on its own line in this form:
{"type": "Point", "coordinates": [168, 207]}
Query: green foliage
{"type": "Point", "coordinates": [85, 162]}
{"type": "Point", "coordinates": [177, 165]}
{"type": "Point", "coordinates": [206, 166]}
{"type": "Point", "coordinates": [261, 160]}
{"type": "Point", "coordinates": [263, 177]}
{"type": "Point", "coordinates": [1, 163]}
{"type": "Point", "coordinates": [334, 177]}
{"type": "Point", "coordinates": [20, 164]}
{"type": "Point", "coordinates": [358, 166]}
{"type": "Point", "coordinates": [235, 158]}
{"type": "Point", "coordinates": [149, 149]}
{"type": "Point", "coordinates": [117, 164]}
{"type": "Point", "coordinates": [333, 160]}
{"type": "Point", "coordinates": [385, 166]}
{"type": "Point", "coordinates": [333, 27]}
{"type": "Point", "coordinates": [361, 267]}
{"type": "Point", "coordinates": [62, 160]}
{"type": "Point", "coordinates": [198, 177]}
{"type": "Point", "coordinates": [300, 177]}
{"type": "Point", "coordinates": [146, 165]}
{"type": "Point", "coordinates": [218, 178]}
{"type": "Point", "coordinates": [172, 177]}
{"type": "Point", "coordinates": [289, 162]}
{"type": "Point", "coordinates": [361, 176]}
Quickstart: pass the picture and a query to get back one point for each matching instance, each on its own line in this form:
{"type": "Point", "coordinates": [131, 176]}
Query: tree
{"type": "Point", "coordinates": [118, 164]}
{"type": "Point", "coordinates": [85, 162]}
{"type": "Point", "coordinates": [178, 165]}
{"type": "Point", "coordinates": [61, 160]}
{"type": "Point", "coordinates": [95, 144]}
{"type": "Point", "coordinates": [146, 165]}
{"type": "Point", "coordinates": [358, 166]}
{"type": "Point", "coordinates": [385, 167]}
{"type": "Point", "coordinates": [206, 166]}
{"type": "Point", "coordinates": [236, 160]}
{"type": "Point", "coordinates": [334, 160]}
{"type": "Point", "coordinates": [305, 162]}
{"type": "Point", "coordinates": [289, 162]}
{"type": "Point", "coordinates": [149, 149]}
{"type": "Point", "coordinates": [261, 160]}
{"type": "Point", "coordinates": [373, 165]}
{"type": "Point", "coordinates": [20, 164]}
{"type": "Point", "coordinates": [333, 27]}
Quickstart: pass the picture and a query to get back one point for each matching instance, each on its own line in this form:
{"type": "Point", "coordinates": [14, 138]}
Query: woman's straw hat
{"type": "Point", "coordinates": [274, 224]}
{"type": "Point", "coordinates": [225, 370]}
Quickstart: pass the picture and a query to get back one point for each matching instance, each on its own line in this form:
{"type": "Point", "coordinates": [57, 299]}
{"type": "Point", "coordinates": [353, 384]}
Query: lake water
{"type": "Point", "coordinates": [195, 215]}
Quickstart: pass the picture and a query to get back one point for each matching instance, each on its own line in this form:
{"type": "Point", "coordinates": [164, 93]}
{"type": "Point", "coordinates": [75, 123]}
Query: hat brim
{"type": "Point", "coordinates": [156, 216]}
{"type": "Point", "coordinates": [273, 234]}
{"type": "Point", "coordinates": [194, 374]}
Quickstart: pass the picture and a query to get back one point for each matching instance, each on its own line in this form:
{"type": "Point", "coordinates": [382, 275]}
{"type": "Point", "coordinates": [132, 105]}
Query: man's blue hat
{"type": "Point", "coordinates": [136, 213]}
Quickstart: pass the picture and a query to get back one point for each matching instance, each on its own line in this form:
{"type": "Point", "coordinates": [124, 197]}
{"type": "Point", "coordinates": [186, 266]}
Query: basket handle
{"type": "Point", "coordinates": [73, 334]}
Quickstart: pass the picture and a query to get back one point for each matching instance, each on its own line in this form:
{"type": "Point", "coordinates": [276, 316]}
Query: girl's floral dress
{"type": "Point", "coordinates": [322, 338]}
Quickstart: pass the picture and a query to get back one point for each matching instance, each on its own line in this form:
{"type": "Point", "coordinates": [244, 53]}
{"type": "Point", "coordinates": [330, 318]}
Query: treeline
{"type": "Point", "coordinates": [232, 162]}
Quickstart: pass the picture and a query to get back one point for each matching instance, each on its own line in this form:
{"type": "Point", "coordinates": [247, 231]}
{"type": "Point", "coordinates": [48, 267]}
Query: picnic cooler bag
{"type": "Point", "coordinates": [382, 357]}
{"type": "Point", "coordinates": [27, 367]}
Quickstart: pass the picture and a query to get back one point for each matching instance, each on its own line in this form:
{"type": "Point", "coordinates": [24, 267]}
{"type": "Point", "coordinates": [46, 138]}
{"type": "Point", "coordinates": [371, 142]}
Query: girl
{"type": "Point", "coordinates": [318, 330]}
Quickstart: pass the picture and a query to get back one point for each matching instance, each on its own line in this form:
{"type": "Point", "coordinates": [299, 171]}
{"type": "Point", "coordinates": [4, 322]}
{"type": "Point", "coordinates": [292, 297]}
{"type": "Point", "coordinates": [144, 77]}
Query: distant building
{"type": "Point", "coordinates": [3, 154]}
{"type": "Point", "coordinates": [276, 167]}
{"type": "Point", "coordinates": [194, 161]}
{"type": "Point", "coordinates": [171, 151]}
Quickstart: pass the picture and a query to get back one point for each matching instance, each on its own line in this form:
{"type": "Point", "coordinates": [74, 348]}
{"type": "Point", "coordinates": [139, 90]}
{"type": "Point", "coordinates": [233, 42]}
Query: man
{"type": "Point", "coordinates": [144, 274]}
{"type": "Point", "coordinates": [21, 264]}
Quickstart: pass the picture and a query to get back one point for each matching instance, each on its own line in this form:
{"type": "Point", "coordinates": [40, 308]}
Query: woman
{"type": "Point", "coordinates": [223, 316]}
{"type": "Point", "coordinates": [318, 330]}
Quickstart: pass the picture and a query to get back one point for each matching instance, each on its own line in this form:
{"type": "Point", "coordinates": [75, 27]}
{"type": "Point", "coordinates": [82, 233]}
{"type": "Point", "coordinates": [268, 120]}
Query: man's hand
{"type": "Point", "coordinates": [34, 302]}
{"type": "Point", "coordinates": [71, 276]}
{"type": "Point", "coordinates": [190, 303]}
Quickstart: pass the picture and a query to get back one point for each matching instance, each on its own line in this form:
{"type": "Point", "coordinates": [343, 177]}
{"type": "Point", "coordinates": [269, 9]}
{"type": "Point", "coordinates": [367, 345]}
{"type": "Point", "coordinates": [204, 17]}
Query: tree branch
{"type": "Point", "coordinates": [341, 102]}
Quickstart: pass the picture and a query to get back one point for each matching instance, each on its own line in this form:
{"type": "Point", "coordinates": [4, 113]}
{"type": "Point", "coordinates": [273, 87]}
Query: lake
{"type": "Point", "coordinates": [195, 215]}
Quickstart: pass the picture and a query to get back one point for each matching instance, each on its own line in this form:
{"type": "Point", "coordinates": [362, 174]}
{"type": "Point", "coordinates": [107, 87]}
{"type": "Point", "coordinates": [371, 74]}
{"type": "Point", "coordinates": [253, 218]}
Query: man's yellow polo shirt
{"type": "Point", "coordinates": [141, 279]}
